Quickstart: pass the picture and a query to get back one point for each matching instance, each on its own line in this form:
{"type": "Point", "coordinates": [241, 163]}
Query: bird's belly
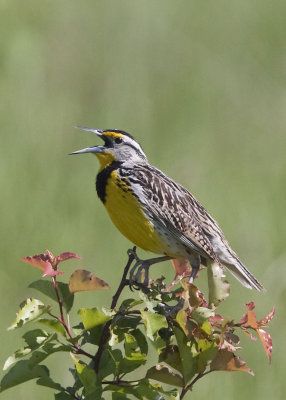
{"type": "Point", "coordinates": [128, 216]}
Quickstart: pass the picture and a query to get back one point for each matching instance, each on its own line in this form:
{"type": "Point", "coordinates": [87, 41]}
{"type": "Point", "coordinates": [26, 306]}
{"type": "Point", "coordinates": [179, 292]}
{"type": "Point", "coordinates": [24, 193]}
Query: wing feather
{"type": "Point", "coordinates": [172, 206]}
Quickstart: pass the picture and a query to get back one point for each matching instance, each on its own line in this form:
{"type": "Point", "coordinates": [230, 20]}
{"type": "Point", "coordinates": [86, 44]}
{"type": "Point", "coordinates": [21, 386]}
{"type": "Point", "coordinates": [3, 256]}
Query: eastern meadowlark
{"type": "Point", "coordinates": [156, 213]}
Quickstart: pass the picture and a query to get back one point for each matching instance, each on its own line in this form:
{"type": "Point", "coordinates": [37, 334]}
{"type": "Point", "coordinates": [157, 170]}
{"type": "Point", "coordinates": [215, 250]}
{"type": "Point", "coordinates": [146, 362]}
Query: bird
{"type": "Point", "coordinates": [156, 213]}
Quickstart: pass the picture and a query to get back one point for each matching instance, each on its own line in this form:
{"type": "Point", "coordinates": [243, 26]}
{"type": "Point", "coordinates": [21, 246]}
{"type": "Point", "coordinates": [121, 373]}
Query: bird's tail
{"type": "Point", "coordinates": [241, 273]}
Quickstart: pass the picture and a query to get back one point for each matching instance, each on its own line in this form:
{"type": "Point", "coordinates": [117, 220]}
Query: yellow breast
{"type": "Point", "coordinates": [127, 215]}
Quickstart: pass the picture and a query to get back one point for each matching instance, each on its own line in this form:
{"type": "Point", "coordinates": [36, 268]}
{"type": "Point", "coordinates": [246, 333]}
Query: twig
{"type": "Point", "coordinates": [60, 302]}
{"type": "Point", "coordinates": [121, 382]}
{"type": "Point", "coordinates": [189, 387]}
{"type": "Point", "coordinates": [55, 283]}
{"type": "Point", "coordinates": [79, 350]}
{"type": "Point", "coordinates": [106, 333]}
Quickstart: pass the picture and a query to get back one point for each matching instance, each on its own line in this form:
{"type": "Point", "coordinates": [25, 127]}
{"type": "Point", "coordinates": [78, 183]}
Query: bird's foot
{"type": "Point", "coordinates": [195, 270]}
{"type": "Point", "coordinates": [139, 273]}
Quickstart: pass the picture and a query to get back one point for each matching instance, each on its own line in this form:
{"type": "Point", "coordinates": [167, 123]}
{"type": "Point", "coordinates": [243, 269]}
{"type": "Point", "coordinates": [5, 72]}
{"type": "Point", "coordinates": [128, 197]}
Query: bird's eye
{"type": "Point", "coordinates": [118, 140]}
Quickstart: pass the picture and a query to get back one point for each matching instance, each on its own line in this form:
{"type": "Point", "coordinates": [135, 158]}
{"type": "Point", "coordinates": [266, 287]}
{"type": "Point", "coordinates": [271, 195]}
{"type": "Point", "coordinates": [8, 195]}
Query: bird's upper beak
{"type": "Point", "coordinates": [93, 149]}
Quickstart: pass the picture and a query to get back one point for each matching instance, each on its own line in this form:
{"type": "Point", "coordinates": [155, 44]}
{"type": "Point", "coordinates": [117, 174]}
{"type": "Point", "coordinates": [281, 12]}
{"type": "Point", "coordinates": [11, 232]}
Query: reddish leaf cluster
{"type": "Point", "coordinates": [201, 323]}
{"type": "Point", "coordinates": [249, 321]}
{"type": "Point", "coordinates": [48, 263]}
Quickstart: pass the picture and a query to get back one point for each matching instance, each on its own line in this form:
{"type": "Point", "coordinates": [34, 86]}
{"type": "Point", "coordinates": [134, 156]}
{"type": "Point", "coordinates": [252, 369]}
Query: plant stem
{"type": "Point", "coordinates": [55, 283]}
{"type": "Point", "coordinates": [190, 386]}
{"type": "Point", "coordinates": [106, 330]}
{"type": "Point", "coordinates": [62, 320]}
{"type": "Point", "coordinates": [79, 350]}
{"type": "Point", "coordinates": [60, 302]}
{"type": "Point", "coordinates": [121, 382]}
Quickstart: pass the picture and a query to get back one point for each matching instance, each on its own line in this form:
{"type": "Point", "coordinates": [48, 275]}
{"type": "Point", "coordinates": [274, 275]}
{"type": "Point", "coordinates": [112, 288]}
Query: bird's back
{"type": "Point", "coordinates": [171, 220]}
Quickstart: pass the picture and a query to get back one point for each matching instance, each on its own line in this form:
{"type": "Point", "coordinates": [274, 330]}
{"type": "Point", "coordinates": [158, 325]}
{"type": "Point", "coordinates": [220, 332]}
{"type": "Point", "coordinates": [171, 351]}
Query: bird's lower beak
{"type": "Point", "coordinates": [93, 149]}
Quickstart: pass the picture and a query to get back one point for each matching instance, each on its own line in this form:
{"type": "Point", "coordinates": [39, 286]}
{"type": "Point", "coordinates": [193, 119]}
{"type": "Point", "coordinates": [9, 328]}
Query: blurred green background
{"type": "Point", "coordinates": [202, 87]}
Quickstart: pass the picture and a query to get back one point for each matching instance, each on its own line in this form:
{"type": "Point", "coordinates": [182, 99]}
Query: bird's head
{"type": "Point", "coordinates": [118, 146]}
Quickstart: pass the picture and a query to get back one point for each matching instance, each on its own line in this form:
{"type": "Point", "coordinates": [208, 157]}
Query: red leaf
{"type": "Point", "coordinates": [249, 334]}
{"type": "Point", "coordinates": [265, 321]}
{"type": "Point", "coordinates": [266, 341]}
{"type": "Point", "coordinates": [181, 266]}
{"type": "Point", "coordinates": [250, 306]}
{"type": "Point", "coordinates": [48, 262]}
{"type": "Point", "coordinates": [66, 256]}
{"type": "Point", "coordinates": [216, 320]}
{"type": "Point", "coordinates": [38, 261]}
{"type": "Point", "coordinates": [182, 271]}
{"type": "Point", "coordinates": [51, 258]}
{"type": "Point", "coordinates": [249, 319]}
{"type": "Point", "coordinates": [50, 271]}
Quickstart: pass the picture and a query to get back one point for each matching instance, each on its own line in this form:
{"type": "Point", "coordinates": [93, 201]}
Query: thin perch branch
{"type": "Point", "coordinates": [106, 330]}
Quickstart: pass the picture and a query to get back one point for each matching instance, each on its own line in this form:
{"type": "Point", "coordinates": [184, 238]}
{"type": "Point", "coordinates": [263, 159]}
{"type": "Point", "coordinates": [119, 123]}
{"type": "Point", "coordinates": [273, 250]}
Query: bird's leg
{"type": "Point", "coordinates": [143, 265]}
{"type": "Point", "coordinates": [195, 262]}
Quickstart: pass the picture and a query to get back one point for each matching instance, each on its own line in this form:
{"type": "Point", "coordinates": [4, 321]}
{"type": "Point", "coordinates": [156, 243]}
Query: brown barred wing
{"type": "Point", "coordinates": [171, 205]}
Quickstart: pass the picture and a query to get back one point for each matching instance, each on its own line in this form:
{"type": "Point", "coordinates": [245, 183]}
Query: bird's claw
{"type": "Point", "coordinates": [132, 252]}
{"type": "Point", "coordinates": [135, 276]}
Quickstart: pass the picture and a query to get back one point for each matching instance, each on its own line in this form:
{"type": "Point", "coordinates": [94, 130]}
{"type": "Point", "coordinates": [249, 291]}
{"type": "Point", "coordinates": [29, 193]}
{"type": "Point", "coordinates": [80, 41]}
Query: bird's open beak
{"type": "Point", "coordinates": [93, 149]}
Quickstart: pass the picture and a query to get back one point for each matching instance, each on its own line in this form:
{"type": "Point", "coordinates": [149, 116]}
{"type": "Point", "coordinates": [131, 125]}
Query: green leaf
{"type": "Point", "coordinates": [153, 392]}
{"type": "Point", "coordinates": [95, 395]}
{"type": "Point", "coordinates": [41, 345]}
{"type": "Point", "coordinates": [132, 362]}
{"type": "Point", "coordinates": [47, 288]}
{"type": "Point", "coordinates": [53, 324]}
{"type": "Point", "coordinates": [162, 339]}
{"type": "Point", "coordinates": [86, 374]}
{"type": "Point", "coordinates": [159, 343]}
{"type": "Point", "coordinates": [189, 362]}
{"type": "Point", "coordinates": [201, 314]}
{"type": "Point", "coordinates": [129, 303]}
{"type": "Point", "coordinates": [130, 344]}
{"type": "Point", "coordinates": [219, 289]}
{"type": "Point", "coordinates": [93, 335]}
{"type": "Point", "coordinates": [30, 310]}
{"type": "Point", "coordinates": [18, 354]}
{"type": "Point", "coordinates": [144, 390]}
{"type": "Point", "coordinates": [171, 356]}
{"type": "Point", "coordinates": [109, 362]}
{"type": "Point", "coordinates": [182, 320]}
{"type": "Point", "coordinates": [207, 352]}
{"type": "Point", "coordinates": [48, 382]}
{"type": "Point", "coordinates": [153, 323]}
{"type": "Point", "coordinates": [46, 350]}
{"type": "Point", "coordinates": [63, 396]}
{"type": "Point", "coordinates": [114, 339]}
{"type": "Point", "coordinates": [141, 340]}
{"type": "Point", "coordinates": [119, 396]}
{"type": "Point", "coordinates": [92, 317]}
{"type": "Point", "coordinates": [35, 339]}
{"type": "Point", "coordinates": [164, 374]}
{"type": "Point", "coordinates": [22, 372]}
{"type": "Point", "coordinates": [207, 328]}
{"type": "Point", "coordinates": [123, 391]}
{"type": "Point", "coordinates": [126, 322]}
